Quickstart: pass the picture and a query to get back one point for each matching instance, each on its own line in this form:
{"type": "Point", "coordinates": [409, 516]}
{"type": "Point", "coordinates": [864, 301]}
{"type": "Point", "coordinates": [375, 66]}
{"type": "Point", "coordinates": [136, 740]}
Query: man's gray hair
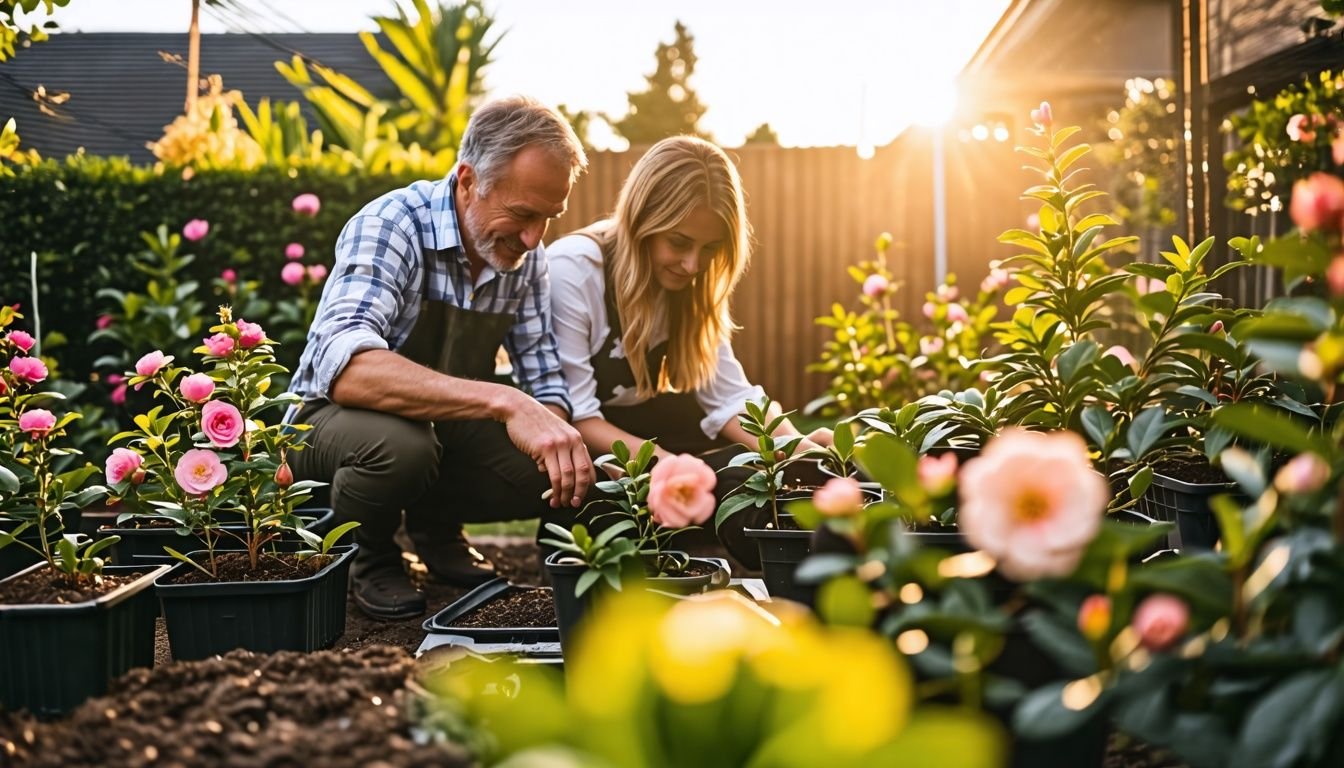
{"type": "Point", "coordinates": [500, 129]}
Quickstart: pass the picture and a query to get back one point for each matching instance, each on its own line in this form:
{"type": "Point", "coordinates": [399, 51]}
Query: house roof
{"type": "Point", "coordinates": [123, 93]}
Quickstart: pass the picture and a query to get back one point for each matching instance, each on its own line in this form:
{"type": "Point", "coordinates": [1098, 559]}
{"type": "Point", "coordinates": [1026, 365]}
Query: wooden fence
{"type": "Point", "coordinates": [815, 211]}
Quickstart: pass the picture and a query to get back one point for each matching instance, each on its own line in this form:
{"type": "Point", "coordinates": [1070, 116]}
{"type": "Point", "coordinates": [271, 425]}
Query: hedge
{"type": "Point", "coordinates": [88, 212]}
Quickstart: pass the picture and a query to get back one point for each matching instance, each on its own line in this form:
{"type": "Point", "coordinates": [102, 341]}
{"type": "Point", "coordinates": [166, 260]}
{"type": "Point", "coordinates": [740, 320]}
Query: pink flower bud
{"type": "Point", "coordinates": [115, 379]}
{"type": "Point", "coordinates": [874, 286]}
{"type": "Point", "coordinates": [1305, 473]}
{"type": "Point", "coordinates": [229, 276]}
{"type": "Point", "coordinates": [839, 497]}
{"type": "Point", "coordinates": [957, 313]}
{"type": "Point", "coordinates": [1318, 202]}
{"type": "Point", "coordinates": [317, 273]}
{"type": "Point", "coordinates": [196, 229]}
{"type": "Point", "coordinates": [104, 321]}
{"type": "Point", "coordinates": [37, 422]}
{"type": "Point", "coordinates": [937, 474]}
{"type": "Point", "coordinates": [1043, 115]}
{"type": "Point", "coordinates": [947, 292]}
{"type": "Point", "coordinates": [929, 308]}
{"type": "Point", "coordinates": [118, 396]}
{"type": "Point", "coordinates": [294, 251]}
{"type": "Point", "coordinates": [197, 387]}
{"type": "Point", "coordinates": [284, 476]}
{"type": "Point", "coordinates": [151, 363]}
{"type": "Point", "coordinates": [307, 204]}
{"type": "Point", "coordinates": [249, 334]}
{"type": "Point", "coordinates": [1094, 617]}
{"type": "Point", "coordinates": [1217, 327]}
{"type": "Point", "coordinates": [931, 345]}
{"type": "Point", "coordinates": [123, 463]}
{"type": "Point", "coordinates": [292, 273]}
{"type": "Point", "coordinates": [1161, 620]}
{"type": "Point", "coordinates": [138, 477]}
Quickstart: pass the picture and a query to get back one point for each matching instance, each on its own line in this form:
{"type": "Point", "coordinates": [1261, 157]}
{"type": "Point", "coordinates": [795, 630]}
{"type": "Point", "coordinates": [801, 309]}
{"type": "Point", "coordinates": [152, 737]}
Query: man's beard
{"type": "Point", "coordinates": [486, 249]}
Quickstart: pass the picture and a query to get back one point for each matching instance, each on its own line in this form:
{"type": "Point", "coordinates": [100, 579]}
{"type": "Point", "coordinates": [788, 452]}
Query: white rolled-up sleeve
{"type": "Point", "coordinates": [725, 395]}
{"type": "Point", "coordinates": [579, 313]}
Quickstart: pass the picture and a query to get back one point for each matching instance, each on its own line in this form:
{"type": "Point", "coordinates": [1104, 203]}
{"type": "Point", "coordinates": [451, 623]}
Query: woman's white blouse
{"type": "Point", "coordinates": [579, 311]}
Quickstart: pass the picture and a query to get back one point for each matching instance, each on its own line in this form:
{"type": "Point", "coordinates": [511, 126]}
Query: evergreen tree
{"type": "Point", "coordinates": [669, 106]}
{"type": "Point", "coordinates": [763, 134]}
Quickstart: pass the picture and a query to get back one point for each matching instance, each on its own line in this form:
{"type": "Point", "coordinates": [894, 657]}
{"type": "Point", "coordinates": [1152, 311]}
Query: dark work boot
{"type": "Point", "coordinates": [451, 560]}
{"type": "Point", "coordinates": [384, 591]}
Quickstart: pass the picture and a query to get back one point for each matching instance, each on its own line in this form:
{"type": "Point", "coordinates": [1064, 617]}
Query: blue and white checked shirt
{"type": "Point", "coordinates": [372, 296]}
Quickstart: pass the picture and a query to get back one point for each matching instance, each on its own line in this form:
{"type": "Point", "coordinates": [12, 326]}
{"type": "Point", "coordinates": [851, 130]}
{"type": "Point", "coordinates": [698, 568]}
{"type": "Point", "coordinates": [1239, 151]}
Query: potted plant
{"type": "Point", "coordinates": [212, 463]}
{"type": "Point", "coordinates": [651, 505]}
{"type": "Point", "coordinates": [67, 623]}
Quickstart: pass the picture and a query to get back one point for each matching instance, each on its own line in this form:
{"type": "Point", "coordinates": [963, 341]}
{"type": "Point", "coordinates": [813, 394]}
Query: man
{"type": "Point", "coordinates": [428, 281]}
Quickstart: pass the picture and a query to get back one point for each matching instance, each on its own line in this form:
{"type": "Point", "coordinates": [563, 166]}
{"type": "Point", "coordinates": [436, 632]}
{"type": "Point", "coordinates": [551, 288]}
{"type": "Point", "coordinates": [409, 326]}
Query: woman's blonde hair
{"type": "Point", "coordinates": [674, 177]}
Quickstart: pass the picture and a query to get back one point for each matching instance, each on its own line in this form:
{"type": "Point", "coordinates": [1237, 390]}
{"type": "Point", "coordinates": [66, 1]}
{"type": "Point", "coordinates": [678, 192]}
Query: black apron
{"type": "Point", "coordinates": [452, 340]}
{"type": "Point", "coordinates": [673, 418]}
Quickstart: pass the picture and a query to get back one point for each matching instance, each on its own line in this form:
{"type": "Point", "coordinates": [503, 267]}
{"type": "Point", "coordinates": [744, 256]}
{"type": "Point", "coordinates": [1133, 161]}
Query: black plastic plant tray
{"type": "Point", "coordinates": [442, 622]}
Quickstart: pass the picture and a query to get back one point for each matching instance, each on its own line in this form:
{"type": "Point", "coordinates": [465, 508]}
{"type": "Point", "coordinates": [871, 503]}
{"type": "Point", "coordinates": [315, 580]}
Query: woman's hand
{"type": "Point", "coordinates": [818, 439]}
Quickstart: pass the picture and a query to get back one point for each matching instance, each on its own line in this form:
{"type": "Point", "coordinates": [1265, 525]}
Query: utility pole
{"type": "Point", "coordinates": [194, 57]}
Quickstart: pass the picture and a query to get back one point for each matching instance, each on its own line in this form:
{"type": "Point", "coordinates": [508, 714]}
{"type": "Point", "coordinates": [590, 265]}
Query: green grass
{"type": "Point", "coordinates": [526, 528]}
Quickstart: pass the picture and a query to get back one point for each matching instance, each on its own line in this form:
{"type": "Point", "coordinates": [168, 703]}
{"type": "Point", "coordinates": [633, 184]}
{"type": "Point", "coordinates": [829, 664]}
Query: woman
{"type": "Point", "coordinates": [640, 305]}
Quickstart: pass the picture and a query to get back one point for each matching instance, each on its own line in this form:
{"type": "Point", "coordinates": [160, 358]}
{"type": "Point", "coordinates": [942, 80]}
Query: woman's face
{"type": "Point", "coordinates": [682, 252]}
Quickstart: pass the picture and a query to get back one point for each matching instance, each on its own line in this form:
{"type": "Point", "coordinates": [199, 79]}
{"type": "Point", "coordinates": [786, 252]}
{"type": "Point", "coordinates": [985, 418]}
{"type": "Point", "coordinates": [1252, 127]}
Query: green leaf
{"type": "Point", "coordinates": [1061, 641]}
{"type": "Point", "coordinates": [1042, 715]}
{"type": "Point", "coordinates": [1071, 360]}
{"type": "Point", "coordinates": [1271, 426]}
{"type": "Point", "coordinates": [733, 504]}
{"type": "Point", "coordinates": [891, 463]}
{"type": "Point", "coordinates": [1099, 424]}
{"type": "Point", "coordinates": [1293, 724]}
{"type": "Point", "coordinates": [846, 601]}
{"type": "Point", "coordinates": [1139, 482]}
{"type": "Point", "coordinates": [586, 580]}
{"type": "Point", "coordinates": [1145, 431]}
{"type": "Point", "coordinates": [335, 534]}
{"type": "Point", "coordinates": [9, 482]}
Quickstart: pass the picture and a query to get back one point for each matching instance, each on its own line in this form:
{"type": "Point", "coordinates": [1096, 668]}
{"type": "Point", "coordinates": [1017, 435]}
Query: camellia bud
{"type": "Point", "coordinates": [1161, 620]}
{"type": "Point", "coordinates": [1217, 327]}
{"type": "Point", "coordinates": [284, 476]}
{"type": "Point", "coordinates": [138, 477]}
{"type": "Point", "coordinates": [1094, 617]}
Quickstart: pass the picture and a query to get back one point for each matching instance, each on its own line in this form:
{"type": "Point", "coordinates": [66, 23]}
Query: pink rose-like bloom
{"type": "Point", "coordinates": [931, 345]}
{"type": "Point", "coordinates": [307, 204]}
{"type": "Point", "coordinates": [1306, 473]}
{"type": "Point", "coordinates": [222, 423]}
{"type": "Point", "coordinates": [1043, 115]}
{"type": "Point", "coordinates": [317, 273]}
{"type": "Point", "coordinates": [152, 363]}
{"type": "Point", "coordinates": [292, 273]}
{"type": "Point", "coordinates": [200, 471]}
{"type": "Point", "coordinates": [294, 251]}
{"type": "Point", "coordinates": [37, 422]}
{"type": "Point", "coordinates": [1299, 128]}
{"type": "Point", "coordinates": [681, 491]}
{"type": "Point", "coordinates": [1123, 355]}
{"type": "Point", "coordinates": [1318, 202]}
{"type": "Point", "coordinates": [21, 339]}
{"type": "Point", "coordinates": [929, 309]}
{"type": "Point", "coordinates": [957, 313]}
{"type": "Point", "coordinates": [874, 286]}
{"type": "Point", "coordinates": [29, 370]}
{"type": "Point", "coordinates": [229, 276]}
{"type": "Point", "coordinates": [839, 497]}
{"type": "Point", "coordinates": [122, 464]}
{"type": "Point", "coordinates": [937, 474]}
{"type": "Point", "coordinates": [249, 334]}
{"type": "Point", "coordinates": [1160, 620]}
{"type": "Point", "coordinates": [104, 321]}
{"type": "Point", "coordinates": [118, 396]}
{"type": "Point", "coordinates": [196, 229]}
{"type": "Point", "coordinates": [197, 387]}
{"type": "Point", "coordinates": [996, 280]}
{"type": "Point", "coordinates": [1094, 617]}
{"type": "Point", "coordinates": [219, 345]}
{"type": "Point", "coordinates": [1032, 501]}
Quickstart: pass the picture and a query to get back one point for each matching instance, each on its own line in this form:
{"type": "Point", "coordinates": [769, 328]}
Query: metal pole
{"type": "Point", "coordinates": [939, 210]}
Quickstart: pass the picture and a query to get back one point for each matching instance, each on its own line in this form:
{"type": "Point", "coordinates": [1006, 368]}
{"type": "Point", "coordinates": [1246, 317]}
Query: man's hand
{"type": "Point", "coordinates": [556, 446]}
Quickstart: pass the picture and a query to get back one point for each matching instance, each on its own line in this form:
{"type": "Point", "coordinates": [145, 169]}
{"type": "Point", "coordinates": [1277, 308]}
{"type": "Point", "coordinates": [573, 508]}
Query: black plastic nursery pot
{"type": "Point", "coordinates": [570, 609]}
{"type": "Point", "coordinates": [140, 546]}
{"type": "Point", "coordinates": [305, 614]}
{"type": "Point", "coordinates": [781, 552]}
{"type": "Point", "coordinates": [1186, 504]}
{"type": "Point", "coordinates": [16, 557]}
{"type": "Point", "coordinates": [442, 622]}
{"type": "Point", "coordinates": [53, 657]}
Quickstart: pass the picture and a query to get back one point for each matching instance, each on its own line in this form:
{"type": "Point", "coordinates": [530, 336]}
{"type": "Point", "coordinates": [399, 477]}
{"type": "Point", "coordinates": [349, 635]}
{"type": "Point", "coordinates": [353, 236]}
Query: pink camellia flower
{"type": "Point", "coordinates": [229, 276]}
{"type": "Point", "coordinates": [931, 345]}
{"type": "Point", "coordinates": [219, 345]}
{"type": "Point", "coordinates": [996, 280]}
{"type": "Point", "coordinates": [1034, 222]}
{"type": "Point", "coordinates": [152, 363]}
{"type": "Point", "coordinates": [122, 464]}
{"type": "Point", "coordinates": [115, 378]}
{"type": "Point", "coordinates": [947, 292]}
{"type": "Point", "coordinates": [104, 321]}
{"type": "Point", "coordinates": [294, 251]}
{"type": "Point", "coordinates": [1122, 354]}
{"type": "Point", "coordinates": [1043, 115]}
{"type": "Point", "coordinates": [1160, 620]}
{"type": "Point", "coordinates": [249, 334]}
{"type": "Point", "coordinates": [1318, 202]}
{"type": "Point", "coordinates": [37, 422]}
{"type": "Point", "coordinates": [1306, 473]}
{"type": "Point", "coordinates": [197, 387]}
{"type": "Point", "coordinates": [1147, 285]}
{"type": "Point", "coordinates": [317, 273]}
{"type": "Point", "coordinates": [681, 491]}
{"type": "Point", "coordinates": [874, 286]}
{"type": "Point", "coordinates": [937, 474]}
{"type": "Point", "coordinates": [929, 309]}
{"type": "Point", "coordinates": [957, 313]}
{"type": "Point", "coordinates": [1334, 275]}
{"type": "Point", "coordinates": [118, 395]}
{"type": "Point", "coordinates": [196, 229]}
{"type": "Point", "coordinates": [222, 423]}
{"type": "Point", "coordinates": [29, 370]}
{"type": "Point", "coordinates": [1094, 617]}
{"type": "Point", "coordinates": [292, 273]}
{"type": "Point", "coordinates": [200, 471]}
{"type": "Point", "coordinates": [1300, 128]}
{"type": "Point", "coordinates": [1033, 502]}
{"type": "Point", "coordinates": [839, 497]}
{"type": "Point", "coordinates": [21, 339]}
{"type": "Point", "coordinates": [307, 204]}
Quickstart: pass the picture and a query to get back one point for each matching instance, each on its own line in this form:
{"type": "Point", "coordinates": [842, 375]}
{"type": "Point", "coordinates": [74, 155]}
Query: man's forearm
{"type": "Point", "coordinates": [381, 380]}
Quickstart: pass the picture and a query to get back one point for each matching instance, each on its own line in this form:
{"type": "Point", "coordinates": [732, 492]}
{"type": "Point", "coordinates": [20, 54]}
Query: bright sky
{"type": "Point", "coordinates": [821, 72]}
